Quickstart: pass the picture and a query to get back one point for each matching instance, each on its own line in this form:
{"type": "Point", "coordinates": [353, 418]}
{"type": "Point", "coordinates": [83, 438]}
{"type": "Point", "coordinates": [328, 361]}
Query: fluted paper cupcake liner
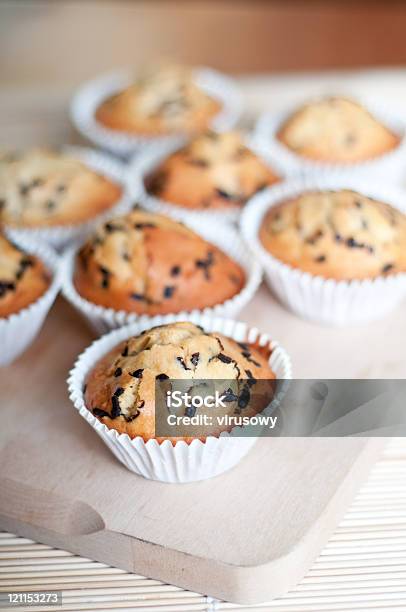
{"type": "Point", "coordinates": [316, 298]}
{"type": "Point", "coordinates": [223, 236]}
{"type": "Point", "coordinates": [18, 330]}
{"type": "Point", "coordinates": [60, 236]}
{"type": "Point", "coordinates": [164, 461]}
{"type": "Point", "coordinates": [144, 163]}
{"type": "Point", "coordinates": [390, 166]}
{"type": "Point", "coordinates": [89, 97]}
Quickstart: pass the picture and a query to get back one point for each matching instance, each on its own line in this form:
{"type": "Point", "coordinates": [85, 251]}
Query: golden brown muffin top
{"type": "Point", "coordinates": [215, 170]}
{"type": "Point", "coordinates": [337, 234]}
{"type": "Point", "coordinates": [120, 390]}
{"type": "Point", "coordinates": [148, 263]}
{"type": "Point", "coordinates": [161, 100]}
{"type": "Point", "coordinates": [41, 188]}
{"type": "Point", "coordinates": [336, 129]}
{"type": "Point", "coordinates": [23, 278]}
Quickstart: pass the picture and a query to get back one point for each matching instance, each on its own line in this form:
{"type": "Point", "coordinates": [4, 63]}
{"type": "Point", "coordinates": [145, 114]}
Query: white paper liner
{"type": "Point", "coordinates": [390, 165]}
{"type": "Point", "coordinates": [144, 163]}
{"type": "Point", "coordinates": [89, 97]}
{"type": "Point", "coordinates": [60, 236]}
{"type": "Point", "coordinates": [181, 462]}
{"type": "Point", "coordinates": [223, 236]}
{"type": "Point", "coordinates": [315, 298]}
{"type": "Point", "coordinates": [18, 330]}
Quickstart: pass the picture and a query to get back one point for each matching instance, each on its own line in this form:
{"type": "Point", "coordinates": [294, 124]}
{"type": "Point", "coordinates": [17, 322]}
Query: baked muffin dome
{"type": "Point", "coordinates": [214, 171]}
{"type": "Point", "coordinates": [23, 278]}
{"type": "Point", "coordinates": [42, 188]}
{"type": "Point", "coordinates": [149, 264]}
{"type": "Point", "coordinates": [342, 235]}
{"type": "Point", "coordinates": [120, 389]}
{"type": "Point", "coordinates": [160, 102]}
{"type": "Point", "coordinates": [336, 129]}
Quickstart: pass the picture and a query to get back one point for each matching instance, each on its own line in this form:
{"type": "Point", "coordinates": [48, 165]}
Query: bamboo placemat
{"type": "Point", "coordinates": [363, 566]}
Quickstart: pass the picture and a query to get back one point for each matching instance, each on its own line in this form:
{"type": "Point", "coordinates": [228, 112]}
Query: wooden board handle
{"type": "Point", "coordinates": [47, 510]}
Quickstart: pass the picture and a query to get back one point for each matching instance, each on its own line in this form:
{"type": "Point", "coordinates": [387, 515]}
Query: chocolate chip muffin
{"type": "Point", "coordinates": [149, 264]}
{"type": "Point", "coordinates": [214, 171]}
{"type": "Point", "coordinates": [42, 188]}
{"type": "Point", "coordinates": [342, 235]}
{"type": "Point", "coordinates": [23, 278]}
{"type": "Point", "coordinates": [336, 130]}
{"type": "Point", "coordinates": [161, 102]}
{"type": "Point", "coordinates": [120, 389]}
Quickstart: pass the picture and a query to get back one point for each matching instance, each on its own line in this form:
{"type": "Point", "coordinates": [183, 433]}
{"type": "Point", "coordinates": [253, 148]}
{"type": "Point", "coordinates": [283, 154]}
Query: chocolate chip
{"type": "Point", "coordinates": [118, 372]}
{"type": "Point", "coordinates": [224, 358]}
{"type": "Point", "coordinates": [6, 286]}
{"type": "Point", "coordinates": [190, 411]}
{"type": "Point", "coordinates": [358, 204]}
{"type": "Point", "coordinates": [161, 377]}
{"type": "Point", "coordinates": [244, 398]}
{"type": "Point", "coordinates": [105, 277]}
{"type": "Point", "coordinates": [144, 225]}
{"type": "Point", "coordinates": [224, 194]}
{"type": "Point", "coordinates": [387, 268]}
{"type": "Point", "coordinates": [137, 296]}
{"type": "Point", "coordinates": [229, 396]}
{"type": "Point", "coordinates": [26, 262]}
{"type": "Point", "coordinates": [200, 163]}
{"type": "Point", "coordinates": [251, 379]}
{"type": "Point", "coordinates": [247, 355]}
{"type": "Point", "coordinates": [168, 292]}
{"type": "Point", "coordinates": [119, 391]}
{"type": "Point", "coordinates": [137, 373]}
{"type": "Point", "coordinates": [320, 259]}
{"type": "Point", "coordinates": [50, 205]}
{"type": "Point", "coordinates": [109, 228]}
{"type": "Point", "coordinates": [61, 188]}
{"type": "Point", "coordinates": [205, 264]}
{"type": "Point", "coordinates": [133, 416]}
{"type": "Point", "coordinates": [243, 345]}
{"type": "Point", "coordinates": [182, 363]}
{"type": "Point", "coordinates": [125, 351]}
{"type": "Point", "coordinates": [194, 360]}
{"type": "Point", "coordinates": [175, 270]}
{"type": "Point", "coordinates": [315, 237]}
{"type": "Point", "coordinates": [98, 412]}
{"type": "Point", "coordinates": [115, 407]}
{"type": "Point", "coordinates": [155, 183]}
{"type": "Point", "coordinates": [24, 189]}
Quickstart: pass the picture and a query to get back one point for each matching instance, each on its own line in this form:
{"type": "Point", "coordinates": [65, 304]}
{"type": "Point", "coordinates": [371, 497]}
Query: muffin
{"type": "Point", "coordinates": [120, 389]}
{"type": "Point", "coordinates": [341, 235]}
{"type": "Point", "coordinates": [149, 264]}
{"type": "Point", "coordinates": [23, 278]}
{"type": "Point", "coordinates": [42, 188]}
{"type": "Point", "coordinates": [214, 171]}
{"type": "Point", "coordinates": [336, 130]}
{"type": "Point", "coordinates": [161, 102]}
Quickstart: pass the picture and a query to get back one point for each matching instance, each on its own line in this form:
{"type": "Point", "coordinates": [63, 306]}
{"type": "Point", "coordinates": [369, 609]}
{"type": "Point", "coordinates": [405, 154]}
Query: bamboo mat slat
{"type": "Point", "coordinates": [362, 567]}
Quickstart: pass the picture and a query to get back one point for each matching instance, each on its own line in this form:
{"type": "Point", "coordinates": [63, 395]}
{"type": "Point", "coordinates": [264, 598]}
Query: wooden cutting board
{"type": "Point", "coordinates": [246, 536]}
